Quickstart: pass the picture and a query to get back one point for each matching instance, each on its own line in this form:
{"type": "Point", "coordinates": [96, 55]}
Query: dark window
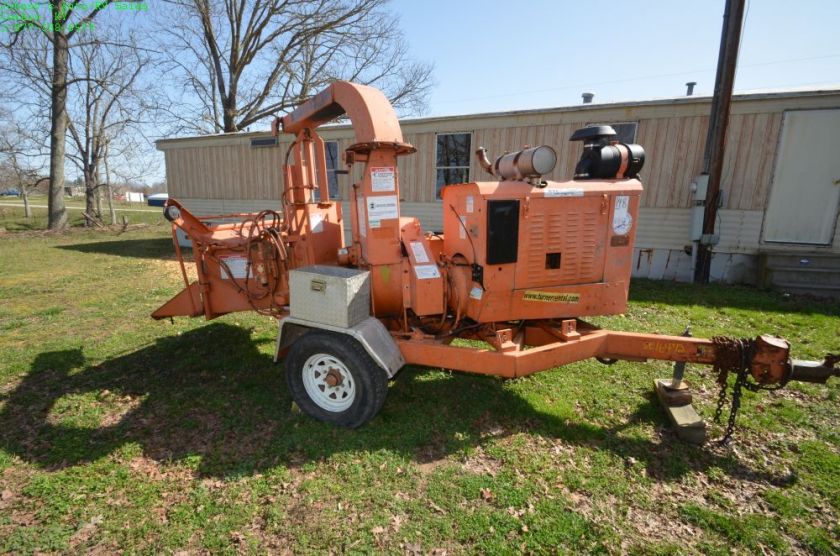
{"type": "Point", "coordinates": [502, 231]}
{"type": "Point", "coordinates": [331, 154]}
{"type": "Point", "coordinates": [452, 159]}
{"type": "Point", "coordinates": [331, 150]}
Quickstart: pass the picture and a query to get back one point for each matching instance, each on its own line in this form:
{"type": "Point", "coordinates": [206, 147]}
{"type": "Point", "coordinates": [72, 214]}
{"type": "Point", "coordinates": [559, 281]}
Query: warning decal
{"type": "Point", "coordinates": [622, 222]}
{"type": "Point", "coordinates": [238, 267]}
{"type": "Point", "coordinates": [565, 192]}
{"type": "Point", "coordinates": [426, 272]}
{"type": "Point", "coordinates": [551, 297]}
{"type": "Point", "coordinates": [419, 251]}
{"type": "Point", "coordinates": [382, 208]}
{"type": "Point", "coordinates": [316, 223]}
{"type": "Point", "coordinates": [382, 178]}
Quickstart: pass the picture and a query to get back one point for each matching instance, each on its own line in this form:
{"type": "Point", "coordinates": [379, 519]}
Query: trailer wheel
{"type": "Point", "coordinates": [333, 379]}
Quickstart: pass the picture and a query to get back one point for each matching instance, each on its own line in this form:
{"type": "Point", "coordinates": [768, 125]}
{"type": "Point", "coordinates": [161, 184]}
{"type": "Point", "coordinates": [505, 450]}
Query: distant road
{"type": "Point", "coordinates": [20, 205]}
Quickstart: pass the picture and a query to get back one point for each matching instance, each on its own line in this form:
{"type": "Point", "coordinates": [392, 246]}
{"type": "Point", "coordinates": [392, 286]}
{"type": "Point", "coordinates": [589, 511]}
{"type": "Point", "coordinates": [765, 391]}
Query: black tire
{"type": "Point", "coordinates": [370, 383]}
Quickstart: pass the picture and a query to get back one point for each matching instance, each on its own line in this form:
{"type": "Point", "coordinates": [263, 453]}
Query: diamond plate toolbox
{"type": "Point", "coordinates": [330, 295]}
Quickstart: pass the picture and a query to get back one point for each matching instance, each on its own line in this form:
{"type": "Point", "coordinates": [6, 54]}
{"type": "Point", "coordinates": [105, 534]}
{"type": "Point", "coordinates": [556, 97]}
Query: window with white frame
{"type": "Point", "coordinates": [452, 159]}
{"type": "Point", "coordinates": [332, 159]}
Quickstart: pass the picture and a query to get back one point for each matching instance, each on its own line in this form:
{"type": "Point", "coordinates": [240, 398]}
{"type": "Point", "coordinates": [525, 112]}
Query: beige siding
{"type": "Point", "coordinates": [226, 168]}
{"type": "Point", "coordinates": [206, 207]}
{"type": "Point", "coordinates": [663, 228]}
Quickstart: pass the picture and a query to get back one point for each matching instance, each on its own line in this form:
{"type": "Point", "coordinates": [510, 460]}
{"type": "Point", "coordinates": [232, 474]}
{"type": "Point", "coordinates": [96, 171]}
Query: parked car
{"type": "Point", "coordinates": [10, 193]}
{"type": "Point", "coordinates": [157, 200]}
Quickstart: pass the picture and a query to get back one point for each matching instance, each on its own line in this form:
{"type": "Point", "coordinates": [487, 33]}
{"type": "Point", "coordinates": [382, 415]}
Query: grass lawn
{"type": "Point", "coordinates": [119, 433]}
{"type": "Point", "coordinates": [12, 217]}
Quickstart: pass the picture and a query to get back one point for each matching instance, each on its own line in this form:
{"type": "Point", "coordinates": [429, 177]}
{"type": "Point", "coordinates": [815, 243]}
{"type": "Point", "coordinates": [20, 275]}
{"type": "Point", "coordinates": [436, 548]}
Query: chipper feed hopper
{"type": "Point", "coordinates": [519, 263]}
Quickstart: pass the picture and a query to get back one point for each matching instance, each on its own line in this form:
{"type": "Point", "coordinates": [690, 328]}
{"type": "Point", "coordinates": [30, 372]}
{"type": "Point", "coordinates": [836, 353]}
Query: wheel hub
{"type": "Point", "coordinates": [328, 382]}
{"type": "Point", "coordinates": [333, 378]}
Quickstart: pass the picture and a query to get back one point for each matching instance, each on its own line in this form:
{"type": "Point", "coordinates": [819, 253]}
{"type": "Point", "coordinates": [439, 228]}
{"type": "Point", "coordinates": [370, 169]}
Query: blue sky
{"type": "Point", "coordinates": [494, 55]}
{"type": "Point", "coordinates": [509, 55]}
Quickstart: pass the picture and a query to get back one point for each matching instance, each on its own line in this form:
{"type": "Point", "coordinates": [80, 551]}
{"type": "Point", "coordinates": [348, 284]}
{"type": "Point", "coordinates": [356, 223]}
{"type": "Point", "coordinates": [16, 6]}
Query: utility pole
{"type": "Point", "coordinates": [730, 39]}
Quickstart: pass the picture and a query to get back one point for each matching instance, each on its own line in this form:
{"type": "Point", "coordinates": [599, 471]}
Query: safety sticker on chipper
{"type": "Point", "coordinates": [238, 267]}
{"type": "Point", "coordinates": [551, 297]}
{"type": "Point", "coordinates": [426, 272]}
{"type": "Point", "coordinates": [382, 208]}
{"type": "Point", "coordinates": [622, 220]}
{"type": "Point", "coordinates": [564, 192]}
{"type": "Point", "coordinates": [382, 178]}
{"type": "Point", "coordinates": [420, 255]}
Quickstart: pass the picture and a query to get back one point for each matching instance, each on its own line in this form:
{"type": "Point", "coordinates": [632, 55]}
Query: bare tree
{"type": "Point", "coordinates": [104, 105]}
{"type": "Point", "coordinates": [241, 61]}
{"type": "Point", "coordinates": [21, 159]}
{"type": "Point", "coordinates": [65, 21]}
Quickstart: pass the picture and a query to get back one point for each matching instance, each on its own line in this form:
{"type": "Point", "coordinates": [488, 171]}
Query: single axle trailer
{"type": "Point", "coordinates": [520, 263]}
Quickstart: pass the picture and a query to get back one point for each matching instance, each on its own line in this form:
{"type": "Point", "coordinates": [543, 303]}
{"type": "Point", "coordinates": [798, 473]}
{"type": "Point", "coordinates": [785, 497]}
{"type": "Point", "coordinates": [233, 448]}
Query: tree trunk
{"type": "Point", "coordinates": [90, 201]}
{"type": "Point", "coordinates": [229, 114]}
{"type": "Point", "coordinates": [58, 129]}
{"type": "Point", "coordinates": [27, 210]}
{"type": "Point", "coordinates": [109, 190]}
{"type": "Point", "coordinates": [98, 190]}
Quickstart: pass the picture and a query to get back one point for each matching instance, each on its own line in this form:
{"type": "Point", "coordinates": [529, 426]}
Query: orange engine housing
{"type": "Point", "coordinates": [562, 250]}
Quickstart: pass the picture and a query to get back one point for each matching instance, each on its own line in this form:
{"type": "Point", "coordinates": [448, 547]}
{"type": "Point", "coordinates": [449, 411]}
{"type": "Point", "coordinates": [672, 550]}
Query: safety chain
{"type": "Point", "coordinates": [732, 355]}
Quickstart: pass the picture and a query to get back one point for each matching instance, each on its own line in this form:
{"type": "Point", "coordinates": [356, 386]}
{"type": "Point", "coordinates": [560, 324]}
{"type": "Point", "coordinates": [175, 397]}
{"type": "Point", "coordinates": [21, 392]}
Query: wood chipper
{"type": "Point", "coordinates": [519, 263]}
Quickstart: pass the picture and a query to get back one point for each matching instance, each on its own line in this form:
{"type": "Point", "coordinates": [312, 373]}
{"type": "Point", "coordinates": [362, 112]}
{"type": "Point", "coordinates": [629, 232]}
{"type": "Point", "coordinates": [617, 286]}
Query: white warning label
{"type": "Point", "coordinates": [426, 272]}
{"type": "Point", "coordinates": [382, 208]}
{"type": "Point", "coordinates": [622, 220]}
{"type": "Point", "coordinates": [420, 255]}
{"type": "Point", "coordinates": [565, 192]}
{"type": "Point", "coordinates": [238, 267]}
{"type": "Point", "coordinates": [316, 222]}
{"type": "Point", "coordinates": [382, 178]}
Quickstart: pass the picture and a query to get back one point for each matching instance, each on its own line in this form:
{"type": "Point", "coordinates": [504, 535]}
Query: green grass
{"type": "Point", "coordinates": [12, 217]}
{"type": "Point", "coordinates": [119, 433]}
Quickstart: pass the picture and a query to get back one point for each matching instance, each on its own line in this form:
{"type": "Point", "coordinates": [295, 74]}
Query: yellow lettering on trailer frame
{"type": "Point", "coordinates": [551, 297]}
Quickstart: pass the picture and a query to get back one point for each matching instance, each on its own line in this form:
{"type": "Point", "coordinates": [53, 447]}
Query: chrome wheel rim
{"type": "Point", "coordinates": [328, 382]}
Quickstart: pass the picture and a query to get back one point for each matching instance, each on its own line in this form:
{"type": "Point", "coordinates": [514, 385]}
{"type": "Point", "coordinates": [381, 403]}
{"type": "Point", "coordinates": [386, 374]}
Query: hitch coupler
{"type": "Point", "coordinates": [815, 371]}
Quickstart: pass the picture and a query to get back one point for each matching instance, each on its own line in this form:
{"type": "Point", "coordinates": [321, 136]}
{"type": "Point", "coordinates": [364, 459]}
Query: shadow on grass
{"type": "Point", "coordinates": [152, 248]}
{"type": "Point", "coordinates": [23, 225]}
{"type": "Point", "coordinates": [729, 296]}
{"type": "Point", "coordinates": [211, 393]}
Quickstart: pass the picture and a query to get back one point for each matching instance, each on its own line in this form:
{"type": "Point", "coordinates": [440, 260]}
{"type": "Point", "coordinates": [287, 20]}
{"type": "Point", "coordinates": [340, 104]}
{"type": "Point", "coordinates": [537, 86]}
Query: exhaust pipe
{"type": "Point", "coordinates": [483, 161]}
{"type": "Point", "coordinates": [526, 164]}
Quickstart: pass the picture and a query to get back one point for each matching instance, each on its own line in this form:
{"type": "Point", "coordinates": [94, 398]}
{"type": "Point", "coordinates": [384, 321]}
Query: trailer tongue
{"type": "Point", "coordinates": [521, 261]}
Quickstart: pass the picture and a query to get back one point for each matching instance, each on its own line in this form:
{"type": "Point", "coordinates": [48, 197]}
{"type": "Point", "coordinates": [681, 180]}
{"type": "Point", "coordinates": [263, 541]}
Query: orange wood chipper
{"type": "Point", "coordinates": [519, 262]}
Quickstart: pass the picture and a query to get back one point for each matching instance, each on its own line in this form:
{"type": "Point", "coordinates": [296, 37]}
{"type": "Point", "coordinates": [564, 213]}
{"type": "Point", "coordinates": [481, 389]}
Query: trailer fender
{"type": "Point", "coordinates": [370, 333]}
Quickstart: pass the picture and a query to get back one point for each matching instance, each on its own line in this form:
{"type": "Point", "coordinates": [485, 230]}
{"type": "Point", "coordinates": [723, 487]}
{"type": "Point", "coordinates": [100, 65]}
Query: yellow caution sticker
{"type": "Point", "coordinates": [551, 297]}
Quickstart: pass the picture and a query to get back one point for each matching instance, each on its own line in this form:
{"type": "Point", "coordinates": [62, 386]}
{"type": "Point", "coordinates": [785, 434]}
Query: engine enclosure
{"type": "Point", "coordinates": [563, 250]}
